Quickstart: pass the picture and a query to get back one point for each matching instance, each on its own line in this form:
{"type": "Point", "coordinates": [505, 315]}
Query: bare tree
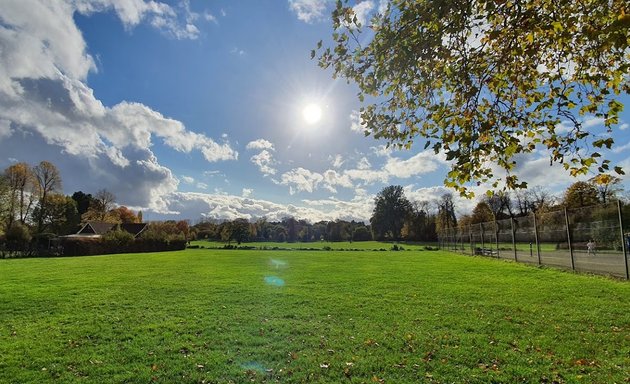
{"type": "Point", "coordinates": [500, 204]}
{"type": "Point", "coordinates": [22, 192]}
{"type": "Point", "coordinates": [541, 198]}
{"type": "Point", "coordinates": [607, 187]}
{"type": "Point", "coordinates": [103, 203]}
{"type": "Point", "coordinates": [48, 180]}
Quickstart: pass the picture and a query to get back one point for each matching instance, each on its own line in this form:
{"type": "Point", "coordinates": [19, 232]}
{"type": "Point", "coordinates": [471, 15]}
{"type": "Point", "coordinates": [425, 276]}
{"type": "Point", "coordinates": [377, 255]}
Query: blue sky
{"type": "Point", "coordinates": [191, 109]}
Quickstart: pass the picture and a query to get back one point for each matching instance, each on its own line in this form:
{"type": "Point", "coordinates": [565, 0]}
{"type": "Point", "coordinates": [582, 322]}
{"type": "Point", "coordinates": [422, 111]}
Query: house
{"type": "Point", "coordinates": [95, 229]}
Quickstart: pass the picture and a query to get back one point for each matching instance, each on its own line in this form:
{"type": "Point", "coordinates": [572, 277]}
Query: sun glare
{"type": "Point", "coordinates": [312, 113]}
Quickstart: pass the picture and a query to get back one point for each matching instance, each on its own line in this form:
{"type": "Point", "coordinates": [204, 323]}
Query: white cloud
{"type": "Point", "coordinates": [364, 164]}
{"type": "Point", "coordinates": [622, 148]}
{"type": "Point", "coordinates": [624, 126]}
{"type": "Point", "coordinates": [355, 122]}
{"type": "Point", "coordinates": [368, 176]}
{"type": "Point", "coordinates": [332, 179]}
{"type": "Point", "coordinates": [201, 185]}
{"type": "Point", "coordinates": [593, 121]}
{"type": "Point", "coordinates": [5, 128]}
{"type": "Point", "coordinates": [229, 207]}
{"type": "Point", "coordinates": [382, 150]}
{"type": "Point", "coordinates": [178, 22]}
{"type": "Point", "coordinates": [210, 17]}
{"type": "Point", "coordinates": [187, 179]}
{"type": "Point", "coordinates": [260, 144]}
{"type": "Point", "coordinates": [362, 11]}
{"type": "Point", "coordinates": [421, 163]}
{"type": "Point", "coordinates": [264, 160]}
{"type": "Point", "coordinates": [301, 179]}
{"type": "Point", "coordinates": [309, 11]}
{"type": "Point", "coordinates": [382, 6]}
{"type": "Point", "coordinates": [336, 161]}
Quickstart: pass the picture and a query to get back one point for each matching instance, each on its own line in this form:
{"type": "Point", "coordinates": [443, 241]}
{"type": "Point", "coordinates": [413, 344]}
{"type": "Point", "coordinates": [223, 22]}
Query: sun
{"type": "Point", "coordinates": [312, 113]}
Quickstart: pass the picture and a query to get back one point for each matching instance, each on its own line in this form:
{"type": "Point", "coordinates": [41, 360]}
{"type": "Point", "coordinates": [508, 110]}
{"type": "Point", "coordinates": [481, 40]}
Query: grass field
{"type": "Point", "coordinates": [210, 316]}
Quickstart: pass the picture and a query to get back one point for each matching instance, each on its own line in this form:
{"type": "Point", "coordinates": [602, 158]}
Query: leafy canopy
{"type": "Point", "coordinates": [391, 209]}
{"type": "Point", "coordinates": [484, 81]}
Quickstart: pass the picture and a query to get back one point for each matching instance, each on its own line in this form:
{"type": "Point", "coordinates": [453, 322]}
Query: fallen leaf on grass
{"type": "Point", "coordinates": [585, 362]}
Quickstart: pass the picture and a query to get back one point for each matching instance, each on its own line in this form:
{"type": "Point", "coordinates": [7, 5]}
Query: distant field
{"type": "Point", "coordinates": [340, 245]}
{"type": "Point", "coordinates": [219, 316]}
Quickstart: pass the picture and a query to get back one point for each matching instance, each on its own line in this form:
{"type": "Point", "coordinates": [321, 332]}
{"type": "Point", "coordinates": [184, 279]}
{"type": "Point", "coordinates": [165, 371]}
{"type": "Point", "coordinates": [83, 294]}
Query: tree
{"type": "Point", "coordinates": [541, 199]}
{"type": "Point", "coordinates": [166, 231]}
{"type": "Point", "coordinates": [22, 192]}
{"type": "Point", "coordinates": [100, 206]}
{"type": "Point", "coordinates": [580, 194]}
{"type": "Point", "coordinates": [361, 233]}
{"type": "Point", "coordinates": [419, 226]}
{"type": "Point", "coordinates": [123, 214]}
{"type": "Point", "coordinates": [61, 215]}
{"type": "Point", "coordinates": [482, 213]}
{"type": "Point", "coordinates": [445, 219]}
{"type": "Point", "coordinates": [5, 201]}
{"type": "Point", "coordinates": [391, 209]}
{"type": "Point", "coordinates": [83, 201]}
{"type": "Point", "coordinates": [485, 81]}
{"type": "Point", "coordinates": [607, 187]}
{"type": "Point", "coordinates": [237, 230]}
{"type": "Point", "coordinates": [105, 200]}
{"type": "Point", "coordinates": [500, 204]}
{"type": "Point", "coordinates": [48, 181]}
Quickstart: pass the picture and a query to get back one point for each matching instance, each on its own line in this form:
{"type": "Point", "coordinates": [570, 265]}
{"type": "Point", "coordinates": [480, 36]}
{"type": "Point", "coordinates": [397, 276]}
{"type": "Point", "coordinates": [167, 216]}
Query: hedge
{"type": "Point", "coordinates": [86, 247]}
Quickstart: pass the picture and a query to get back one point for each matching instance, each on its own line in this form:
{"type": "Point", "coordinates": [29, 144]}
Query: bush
{"type": "Point", "coordinates": [118, 238]}
{"type": "Point", "coordinates": [17, 237]}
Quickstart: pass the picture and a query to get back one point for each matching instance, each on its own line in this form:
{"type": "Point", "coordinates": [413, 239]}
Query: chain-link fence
{"type": "Point", "coordinates": [590, 239]}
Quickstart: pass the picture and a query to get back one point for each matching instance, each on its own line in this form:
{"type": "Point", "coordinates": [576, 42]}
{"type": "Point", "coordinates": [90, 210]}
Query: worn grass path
{"type": "Point", "coordinates": [219, 316]}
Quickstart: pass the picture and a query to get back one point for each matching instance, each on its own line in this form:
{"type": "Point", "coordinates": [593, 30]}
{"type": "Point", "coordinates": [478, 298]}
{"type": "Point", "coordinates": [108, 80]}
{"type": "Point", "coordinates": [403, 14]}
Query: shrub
{"type": "Point", "coordinates": [17, 237]}
{"type": "Point", "coordinates": [117, 238]}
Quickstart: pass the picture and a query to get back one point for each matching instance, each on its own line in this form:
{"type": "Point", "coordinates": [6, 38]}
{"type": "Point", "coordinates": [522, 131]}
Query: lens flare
{"type": "Point", "coordinates": [274, 281]}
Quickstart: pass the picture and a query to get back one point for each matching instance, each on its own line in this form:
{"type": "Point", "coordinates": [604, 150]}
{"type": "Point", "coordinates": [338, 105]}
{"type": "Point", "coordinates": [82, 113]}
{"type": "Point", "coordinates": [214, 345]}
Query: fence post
{"type": "Point", "coordinates": [496, 236]}
{"type": "Point", "coordinates": [536, 239]}
{"type": "Point", "coordinates": [482, 239]}
{"type": "Point", "coordinates": [513, 239]}
{"type": "Point", "coordinates": [623, 240]}
{"type": "Point", "coordinates": [470, 240]}
{"type": "Point", "coordinates": [566, 220]}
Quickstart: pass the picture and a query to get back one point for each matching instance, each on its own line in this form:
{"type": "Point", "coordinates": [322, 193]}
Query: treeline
{"type": "Point", "coordinates": [394, 219]}
{"type": "Point", "coordinates": [598, 191]}
{"type": "Point", "coordinates": [287, 230]}
{"type": "Point", "coordinates": [34, 211]}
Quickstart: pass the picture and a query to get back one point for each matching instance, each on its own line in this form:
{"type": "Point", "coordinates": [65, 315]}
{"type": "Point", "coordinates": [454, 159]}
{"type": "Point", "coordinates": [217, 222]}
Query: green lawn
{"type": "Point", "coordinates": [218, 316]}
